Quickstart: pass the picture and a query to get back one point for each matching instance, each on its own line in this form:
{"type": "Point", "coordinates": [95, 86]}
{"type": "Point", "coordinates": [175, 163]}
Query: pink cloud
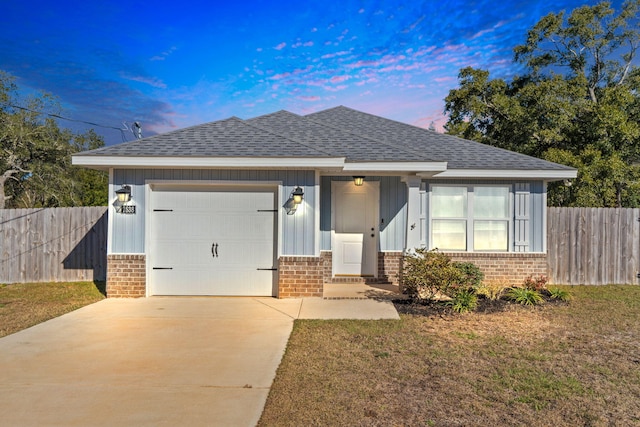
{"type": "Point", "coordinates": [309, 98]}
{"type": "Point", "coordinates": [308, 44]}
{"type": "Point", "coordinates": [336, 88]}
{"type": "Point", "coordinates": [339, 79]}
{"type": "Point", "coordinates": [280, 76]}
{"type": "Point", "coordinates": [280, 46]}
{"type": "Point", "coordinates": [334, 54]}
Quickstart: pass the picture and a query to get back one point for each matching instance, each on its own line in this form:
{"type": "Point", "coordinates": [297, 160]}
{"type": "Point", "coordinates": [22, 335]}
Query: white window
{"type": "Point", "coordinates": [470, 217]}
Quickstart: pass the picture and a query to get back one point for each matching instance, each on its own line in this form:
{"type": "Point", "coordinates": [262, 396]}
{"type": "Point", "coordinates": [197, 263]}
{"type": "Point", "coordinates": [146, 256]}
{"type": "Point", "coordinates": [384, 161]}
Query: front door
{"type": "Point", "coordinates": [355, 228]}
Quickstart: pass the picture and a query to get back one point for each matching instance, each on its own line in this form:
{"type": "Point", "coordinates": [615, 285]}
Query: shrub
{"type": "Point", "coordinates": [431, 275]}
{"type": "Point", "coordinates": [525, 296]}
{"type": "Point", "coordinates": [536, 283]}
{"type": "Point", "coordinates": [464, 301]}
{"type": "Point", "coordinates": [492, 290]}
{"type": "Point", "coordinates": [472, 275]}
{"type": "Point", "coordinates": [428, 275]}
{"type": "Point", "coordinates": [559, 294]}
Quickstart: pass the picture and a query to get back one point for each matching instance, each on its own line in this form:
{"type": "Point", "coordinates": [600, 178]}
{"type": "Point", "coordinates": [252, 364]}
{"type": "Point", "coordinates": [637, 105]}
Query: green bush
{"type": "Point", "coordinates": [559, 294]}
{"type": "Point", "coordinates": [431, 275]}
{"type": "Point", "coordinates": [525, 296]}
{"type": "Point", "coordinates": [473, 276]}
{"type": "Point", "coordinates": [464, 301]}
{"type": "Point", "coordinates": [428, 275]}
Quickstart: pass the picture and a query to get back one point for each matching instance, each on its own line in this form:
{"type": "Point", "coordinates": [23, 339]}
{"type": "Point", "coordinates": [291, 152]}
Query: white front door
{"type": "Point", "coordinates": [212, 241]}
{"type": "Point", "coordinates": [355, 228]}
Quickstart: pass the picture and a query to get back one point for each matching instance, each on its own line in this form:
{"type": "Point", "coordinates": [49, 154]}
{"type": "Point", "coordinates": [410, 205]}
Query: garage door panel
{"type": "Point", "coordinates": [182, 239]}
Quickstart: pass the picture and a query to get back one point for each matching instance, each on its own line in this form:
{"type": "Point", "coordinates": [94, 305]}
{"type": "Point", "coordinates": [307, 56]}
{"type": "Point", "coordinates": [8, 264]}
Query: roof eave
{"type": "Point", "coordinates": [182, 162]}
{"type": "Point", "coordinates": [538, 174]}
{"type": "Point", "coordinates": [426, 168]}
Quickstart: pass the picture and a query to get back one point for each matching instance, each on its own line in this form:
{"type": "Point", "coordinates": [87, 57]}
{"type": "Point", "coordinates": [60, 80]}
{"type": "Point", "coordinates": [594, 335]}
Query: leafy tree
{"type": "Point", "coordinates": [577, 104]}
{"type": "Point", "coordinates": [35, 161]}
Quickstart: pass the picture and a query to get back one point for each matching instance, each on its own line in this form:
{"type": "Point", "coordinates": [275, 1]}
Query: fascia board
{"type": "Point", "coordinates": [208, 162]}
{"type": "Point", "coordinates": [395, 167]}
{"type": "Point", "coordinates": [545, 174]}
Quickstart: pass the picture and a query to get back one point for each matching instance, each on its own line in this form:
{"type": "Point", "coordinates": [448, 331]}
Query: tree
{"type": "Point", "coordinates": [578, 103]}
{"type": "Point", "coordinates": [35, 161]}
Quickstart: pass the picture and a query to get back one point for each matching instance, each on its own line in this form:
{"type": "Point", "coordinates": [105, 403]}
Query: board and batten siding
{"type": "Point", "coordinates": [529, 203]}
{"type": "Point", "coordinates": [393, 211]}
{"type": "Point", "coordinates": [128, 230]}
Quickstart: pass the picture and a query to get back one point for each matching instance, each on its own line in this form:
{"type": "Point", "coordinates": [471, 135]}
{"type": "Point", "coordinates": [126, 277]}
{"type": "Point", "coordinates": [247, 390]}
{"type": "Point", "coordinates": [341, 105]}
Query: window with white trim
{"type": "Point", "coordinates": [473, 217]}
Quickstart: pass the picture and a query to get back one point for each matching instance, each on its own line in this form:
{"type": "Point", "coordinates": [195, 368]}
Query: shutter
{"type": "Point", "coordinates": [522, 218]}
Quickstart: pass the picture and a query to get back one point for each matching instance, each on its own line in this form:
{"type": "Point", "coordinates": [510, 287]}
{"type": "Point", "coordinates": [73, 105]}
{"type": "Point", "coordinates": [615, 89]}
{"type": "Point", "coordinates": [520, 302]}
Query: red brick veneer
{"type": "Point", "coordinates": [300, 277]}
{"type": "Point", "coordinates": [510, 268]}
{"type": "Point", "coordinates": [126, 276]}
{"type": "Point", "coordinates": [390, 267]}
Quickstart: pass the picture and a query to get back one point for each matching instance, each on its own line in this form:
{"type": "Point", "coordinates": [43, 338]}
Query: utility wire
{"type": "Point", "coordinates": [137, 134]}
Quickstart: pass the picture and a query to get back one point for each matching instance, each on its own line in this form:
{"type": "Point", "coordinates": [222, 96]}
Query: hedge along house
{"type": "Point", "coordinates": [281, 204]}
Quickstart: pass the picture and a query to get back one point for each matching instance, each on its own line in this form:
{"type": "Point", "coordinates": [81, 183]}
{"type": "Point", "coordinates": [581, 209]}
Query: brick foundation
{"type": "Point", "coordinates": [126, 276]}
{"type": "Point", "coordinates": [509, 268]}
{"type": "Point", "coordinates": [300, 277]}
{"type": "Point", "coordinates": [390, 267]}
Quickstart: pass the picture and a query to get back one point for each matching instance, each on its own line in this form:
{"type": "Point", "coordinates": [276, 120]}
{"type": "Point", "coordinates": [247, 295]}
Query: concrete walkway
{"type": "Point", "coordinates": [157, 361]}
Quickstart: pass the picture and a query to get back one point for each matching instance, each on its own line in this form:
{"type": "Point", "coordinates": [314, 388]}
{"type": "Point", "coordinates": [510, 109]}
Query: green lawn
{"type": "Point", "coordinates": [26, 304]}
{"type": "Point", "coordinates": [575, 364]}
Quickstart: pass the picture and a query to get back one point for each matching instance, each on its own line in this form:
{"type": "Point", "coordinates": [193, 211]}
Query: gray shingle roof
{"type": "Point", "coordinates": [336, 132]}
{"type": "Point", "coordinates": [334, 140]}
{"type": "Point", "coordinates": [459, 153]}
{"type": "Point", "coordinates": [231, 137]}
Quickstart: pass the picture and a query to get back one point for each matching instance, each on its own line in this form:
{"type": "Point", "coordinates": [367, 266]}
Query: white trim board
{"type": "Point", "coordinates": [505, 173]}
{"type": "Point", "coordinates": [177, 162]}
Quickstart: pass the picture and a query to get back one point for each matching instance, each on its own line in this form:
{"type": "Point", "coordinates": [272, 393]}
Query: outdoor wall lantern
{"type": "Point", "coordinates": [124, 194]}
{"type": "Point", "coordinates": [297, 195]}
{"type": "Point", "coordinates": [358, 180]}
{"type": "Point", "coordinates": [294, 200]}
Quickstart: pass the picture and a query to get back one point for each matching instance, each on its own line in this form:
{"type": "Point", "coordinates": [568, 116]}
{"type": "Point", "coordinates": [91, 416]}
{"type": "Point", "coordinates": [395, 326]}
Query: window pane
{"type": "Point", "coordinates": [449, 234]}
{"type": "Point", "coordinates": [490, 235]}
{"type": "Point", "coordinates": [491, 202]}
{"type": "Point", "coordinates": [448, 202]}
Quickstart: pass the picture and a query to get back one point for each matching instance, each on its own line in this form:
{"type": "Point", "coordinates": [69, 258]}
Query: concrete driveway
{"type": "Point", "coordinates": [146, 362]}
{"type": "Point", "coordinates": [157, 361]}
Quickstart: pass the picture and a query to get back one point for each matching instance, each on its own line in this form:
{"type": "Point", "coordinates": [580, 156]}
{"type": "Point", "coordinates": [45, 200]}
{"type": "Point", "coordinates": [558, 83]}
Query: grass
{"type": "Point", "coordinates": [23, 305]}
{"type": "Point", "coordinates": [557, 364]}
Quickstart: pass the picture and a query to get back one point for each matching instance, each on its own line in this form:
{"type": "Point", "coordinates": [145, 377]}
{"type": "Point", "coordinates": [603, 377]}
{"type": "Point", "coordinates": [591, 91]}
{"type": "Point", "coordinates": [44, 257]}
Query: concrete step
{"type": "Point", "coordinates": [356, 290]}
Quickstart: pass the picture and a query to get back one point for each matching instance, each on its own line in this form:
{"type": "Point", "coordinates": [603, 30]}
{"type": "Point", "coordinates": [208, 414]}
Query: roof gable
{"type": "Point", "coordinates": [337, 138]}
{"type": "Point", "coordinates": [457, 152]}
{"type": "Point", "coordinates": [231, 137]}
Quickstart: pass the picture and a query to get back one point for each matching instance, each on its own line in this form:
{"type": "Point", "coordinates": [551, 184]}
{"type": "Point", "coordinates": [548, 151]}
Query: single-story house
{"type": "Point", "coordinates": [279, 205]}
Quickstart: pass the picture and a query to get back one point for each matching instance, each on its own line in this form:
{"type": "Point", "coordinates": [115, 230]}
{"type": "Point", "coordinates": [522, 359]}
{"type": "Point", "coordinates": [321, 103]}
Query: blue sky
{"type": "Point", "coordinates": [173, 64]}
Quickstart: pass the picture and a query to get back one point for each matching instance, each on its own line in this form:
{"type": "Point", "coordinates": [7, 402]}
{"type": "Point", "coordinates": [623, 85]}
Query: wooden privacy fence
{"type": "Point", "coordinates": [593, 246]}
{"type": "Point", "coordinates": [53, 244]}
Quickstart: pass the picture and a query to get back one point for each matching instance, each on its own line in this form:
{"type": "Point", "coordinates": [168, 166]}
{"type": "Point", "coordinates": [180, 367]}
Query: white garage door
{"type": "Point", "coordinates": [212, 242]}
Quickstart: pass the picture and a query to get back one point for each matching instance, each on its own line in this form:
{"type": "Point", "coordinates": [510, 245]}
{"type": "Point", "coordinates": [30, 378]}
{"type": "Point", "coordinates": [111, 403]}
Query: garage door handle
{"type": "Point", "coordinates": [267, 269]}
{"type": "Point", "coordinates": [214, 250]}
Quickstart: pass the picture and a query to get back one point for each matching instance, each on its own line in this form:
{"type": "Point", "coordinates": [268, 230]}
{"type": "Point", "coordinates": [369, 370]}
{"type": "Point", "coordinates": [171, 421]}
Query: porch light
{"type": "Point", "coordinates": [297, 195]}
{"type": "Point", "coordinates": [358, 180]}
{"type": "Point", "coordinates": [124, 194]}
